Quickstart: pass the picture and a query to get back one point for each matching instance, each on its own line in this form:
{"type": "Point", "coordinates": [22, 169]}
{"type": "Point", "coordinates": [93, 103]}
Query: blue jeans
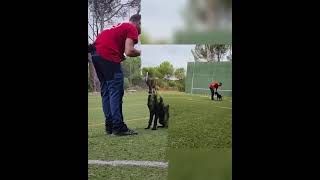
{"type": "Point", "coordinates": [111, 79]}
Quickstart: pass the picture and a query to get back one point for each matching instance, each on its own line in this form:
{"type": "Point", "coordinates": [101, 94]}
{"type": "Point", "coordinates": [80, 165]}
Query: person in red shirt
{"type": "Point", "coordinates": [107, 53]}
{"type": "Point", "coordinates": [214, 88]}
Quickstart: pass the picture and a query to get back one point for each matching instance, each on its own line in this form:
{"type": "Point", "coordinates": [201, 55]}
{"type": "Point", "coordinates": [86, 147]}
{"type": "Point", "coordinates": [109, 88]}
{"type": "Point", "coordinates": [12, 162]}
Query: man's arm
{"type": "Point", "coordinates": [130, 50]}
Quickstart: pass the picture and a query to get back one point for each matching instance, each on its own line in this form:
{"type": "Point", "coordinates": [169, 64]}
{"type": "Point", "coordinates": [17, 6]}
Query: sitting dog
{"type": "Point", "coordinates": [219, 96]}
{"type": "Point", "coordinates": [163, 114]}
{"type": "Point", "coordinates": [157, 108]}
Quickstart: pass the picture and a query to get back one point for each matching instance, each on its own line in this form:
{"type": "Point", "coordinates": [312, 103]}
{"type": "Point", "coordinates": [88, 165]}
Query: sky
{"type": "Point", "coordinates": [177, 55]}
{"type": "Point", "coordinates": [160, 18]}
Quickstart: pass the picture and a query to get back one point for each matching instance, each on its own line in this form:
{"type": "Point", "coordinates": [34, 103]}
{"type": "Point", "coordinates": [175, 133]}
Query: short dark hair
{"type": "Point", "coordinates": [135, 18]}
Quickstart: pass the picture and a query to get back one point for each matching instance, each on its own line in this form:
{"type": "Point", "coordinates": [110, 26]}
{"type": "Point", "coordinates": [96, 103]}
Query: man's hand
{"type": "Point", "coordinates": [123, 58]}
{"type": "Point", "coordinates": [130, 50]}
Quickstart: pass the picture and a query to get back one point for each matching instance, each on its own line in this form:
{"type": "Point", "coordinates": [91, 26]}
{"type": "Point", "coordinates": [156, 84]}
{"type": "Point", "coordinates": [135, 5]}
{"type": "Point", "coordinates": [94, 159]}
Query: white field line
{"type": "Point", "coordinates": [223, 107]}
{"type": "Point", "coordinates": [130, 163]}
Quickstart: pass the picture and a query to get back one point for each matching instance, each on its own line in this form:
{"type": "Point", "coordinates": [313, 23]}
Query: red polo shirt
{"type": "Point", "coordinates": [110, 43]}
{"type": "Point", "coordinates": [214, 85]}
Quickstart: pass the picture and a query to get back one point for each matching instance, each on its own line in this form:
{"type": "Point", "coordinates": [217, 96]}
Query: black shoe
{"type": "Point", "coordinates": [108, 127]}
{"type": "Point", "coordinates": [128, 132]}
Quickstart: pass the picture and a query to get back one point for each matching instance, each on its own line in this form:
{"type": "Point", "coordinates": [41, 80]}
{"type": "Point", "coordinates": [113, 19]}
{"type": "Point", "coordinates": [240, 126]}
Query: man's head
{"type": "Point", "coordinates": [220, 83]}
{"type": "Point", "coordinates": [136, 19]}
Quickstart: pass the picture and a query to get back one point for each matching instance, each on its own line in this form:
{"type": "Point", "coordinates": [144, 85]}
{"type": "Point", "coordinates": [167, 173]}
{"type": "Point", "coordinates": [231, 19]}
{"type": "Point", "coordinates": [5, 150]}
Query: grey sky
{"type": "Point", "coordinates": [160, 18]}
{"type": "Point", "coordinates": [177, 55]}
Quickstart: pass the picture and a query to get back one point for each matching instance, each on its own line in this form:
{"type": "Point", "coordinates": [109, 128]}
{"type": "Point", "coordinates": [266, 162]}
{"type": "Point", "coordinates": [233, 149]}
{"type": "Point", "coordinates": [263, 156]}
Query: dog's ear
{"type": "Point", "coordinates": [155, 98]}
{"type": "Point", "coordinates": [161, 99]}
{"type": "Point", "coordinates": [149, 85]}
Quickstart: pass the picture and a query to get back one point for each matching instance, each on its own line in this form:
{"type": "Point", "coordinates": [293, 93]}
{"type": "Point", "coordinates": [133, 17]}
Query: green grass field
{"type": "Point", "coordinates": [121, 173]}
{"type": "Point", "coordinates": [195, 122]}
{"type": "Point", "coordinates": [203, 164]}
{"type": "Point", "coordinates": [198, 122]}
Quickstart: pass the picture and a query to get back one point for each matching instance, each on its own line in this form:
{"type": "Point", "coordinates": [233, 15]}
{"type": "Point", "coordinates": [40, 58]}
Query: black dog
{"type": "Point", "coordinates": [164, 115]}
{"type": "Point", "coordinates": [157, 108]}
{"type": "Point", "coordinates": [219, 96]}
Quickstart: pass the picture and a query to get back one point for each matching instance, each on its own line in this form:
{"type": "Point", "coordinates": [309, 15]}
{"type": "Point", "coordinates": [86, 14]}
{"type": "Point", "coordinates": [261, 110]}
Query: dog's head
{"type": "Point", "coordinates": [152, 84]}
{"type": "Point", "coordinates": [161, 101]}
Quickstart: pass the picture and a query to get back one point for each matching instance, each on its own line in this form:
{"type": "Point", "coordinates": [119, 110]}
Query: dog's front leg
{"type": "Point", "coordinates": [155, 121]}
{"type": "Point", "coordinates": [161, 121]}
{"type": "Point", "coordinates": [150, 120]}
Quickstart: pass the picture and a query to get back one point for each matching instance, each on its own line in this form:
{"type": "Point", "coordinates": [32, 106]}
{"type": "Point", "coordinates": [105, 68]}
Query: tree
{"type": "Point", "coordinates": [166, 69]}
{"type": "Point", "coordinates": [132, 68]}
{"type": "Point", "coordinates": [126, 83]}
{"type": "Point", "coordinates": [220, 51]}
{"type": "Point", "coordinates": [152, 72]}
{"type": "Point", "coordinates": [180, 73]}
{"type": "Point", "coordinates": [146, 70]}
{"type": "Point", "coordinates": [93, 79]}
{"type": "Point", "coordinates": [229, 57]}
{"type": "Point", "coordinates": [103, 11]}
{"type": "Point", "coordinates": [209, 53]}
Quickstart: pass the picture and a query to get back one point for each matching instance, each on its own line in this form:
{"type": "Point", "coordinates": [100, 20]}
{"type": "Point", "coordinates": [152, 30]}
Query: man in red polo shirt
{"type": "Point", "coordinates": [214, 87]}
{"type": "Point", "coordinates": [108, 51]}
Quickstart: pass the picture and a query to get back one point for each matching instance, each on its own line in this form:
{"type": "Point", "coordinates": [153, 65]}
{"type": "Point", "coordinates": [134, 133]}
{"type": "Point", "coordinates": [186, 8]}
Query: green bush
{"type": "Point", "coordinates": [162, 83]}
{"type": "Point", "coordinates": [137, 80]}
{"type": "Point", "coordinates": [181, 85]}
{"type": "Point", "coordinates": [126, 83]}
{"type": "Point", "coordinates": [172, 84]}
